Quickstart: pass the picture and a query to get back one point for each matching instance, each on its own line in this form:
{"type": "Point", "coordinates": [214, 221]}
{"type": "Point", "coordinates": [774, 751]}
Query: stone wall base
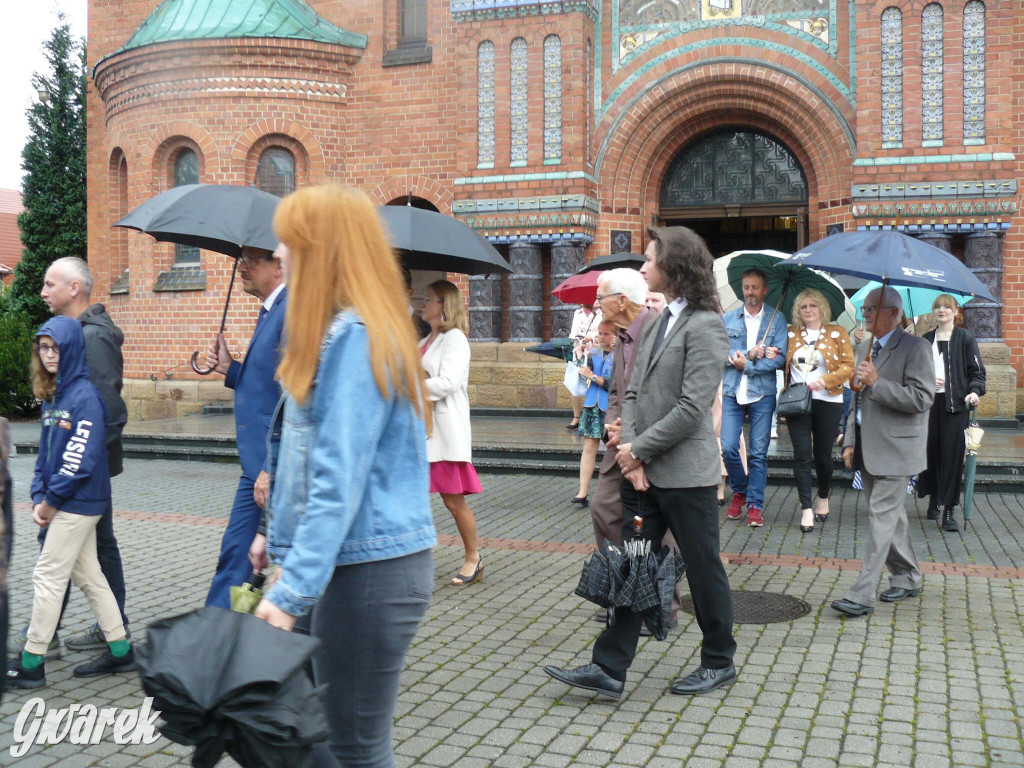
{"type": "Point", "coordinates": [506, 376]}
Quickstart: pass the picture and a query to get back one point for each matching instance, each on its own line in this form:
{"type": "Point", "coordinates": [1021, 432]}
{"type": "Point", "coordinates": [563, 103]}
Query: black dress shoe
{"type": "Point", "coordinates": [581, 500]}
{"type": "Point", "coordinates": [850, 608]}
{"type": "Point", "coordinates": [590, 677]}
{"type": "Point", "coordinates": [703, 680]}
{"type": "Point", "coordinates": [107, 664]}
{"type": "Point", "coordinates": [897, 594]}
{"type": "Point", "coordinates": [19, 677]}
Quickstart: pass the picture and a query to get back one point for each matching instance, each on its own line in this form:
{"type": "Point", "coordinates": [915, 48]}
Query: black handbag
{"type": "Point", "coordinates": [794, 400]}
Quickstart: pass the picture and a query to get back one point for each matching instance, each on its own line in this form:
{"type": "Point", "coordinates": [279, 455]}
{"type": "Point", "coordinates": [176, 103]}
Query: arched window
{"type": "Point", "coordinates": [892, 77]}
{"type": "Point", "coordinates": [974, 72]}
{"type": "Point", "coordinates": [552, 100]}
{"type": "Point", "coordinates": [275, 172]}
{"type": "Point", "coordinates": [485, 104]}
{"type": "Point", "coordinates": [931, 74]}
{"type": "Point", "coordinates": [518, 110]}
{"type": "Point", "coordinates": [186, 171]}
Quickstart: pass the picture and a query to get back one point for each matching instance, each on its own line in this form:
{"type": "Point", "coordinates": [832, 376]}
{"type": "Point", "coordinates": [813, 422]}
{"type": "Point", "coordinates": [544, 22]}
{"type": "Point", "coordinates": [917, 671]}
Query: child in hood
{"type": "Point", "coordinates": [70, 491]}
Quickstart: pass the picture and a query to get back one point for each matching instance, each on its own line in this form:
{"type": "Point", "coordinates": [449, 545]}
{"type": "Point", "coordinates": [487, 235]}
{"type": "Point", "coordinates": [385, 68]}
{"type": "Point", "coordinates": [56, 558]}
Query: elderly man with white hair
{"type": "Point", "coordinates": [886, 438]}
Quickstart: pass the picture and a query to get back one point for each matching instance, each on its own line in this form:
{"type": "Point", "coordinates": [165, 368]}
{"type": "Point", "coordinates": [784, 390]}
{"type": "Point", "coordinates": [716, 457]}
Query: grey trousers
{"type": "Point", "coordinates": [365, 621]}
{"type": "Point", "coordinates": [888, 539]}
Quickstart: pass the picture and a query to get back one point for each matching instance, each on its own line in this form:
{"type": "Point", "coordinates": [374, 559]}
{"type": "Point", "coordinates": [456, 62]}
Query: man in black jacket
{"type": "Point", "coordinates": [67, 288]}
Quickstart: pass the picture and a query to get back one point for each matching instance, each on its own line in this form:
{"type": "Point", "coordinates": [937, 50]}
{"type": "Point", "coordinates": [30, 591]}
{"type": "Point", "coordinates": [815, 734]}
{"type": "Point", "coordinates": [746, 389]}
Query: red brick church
{"type": "Point", "coordinates": [559, 129]}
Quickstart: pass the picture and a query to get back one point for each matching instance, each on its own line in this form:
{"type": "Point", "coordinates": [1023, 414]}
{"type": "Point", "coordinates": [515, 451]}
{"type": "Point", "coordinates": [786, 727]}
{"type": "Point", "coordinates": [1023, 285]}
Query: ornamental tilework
{"type": "Point", "coordinates": [931, 72]}
{"type": "Point", "coordinates": [552, 98]}
{"type": "Point", "coordinates": [518, 110]}
{"type": "Point", "coordinates": [892, 76]}
{"type": "Point", "coordinates": [974, 70]}
{"type": "Point", "coordinates": [485, 104]}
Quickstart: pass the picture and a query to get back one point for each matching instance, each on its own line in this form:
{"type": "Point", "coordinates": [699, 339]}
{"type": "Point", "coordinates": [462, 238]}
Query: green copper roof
{"type": "Point", "coordinates": [175, 20]}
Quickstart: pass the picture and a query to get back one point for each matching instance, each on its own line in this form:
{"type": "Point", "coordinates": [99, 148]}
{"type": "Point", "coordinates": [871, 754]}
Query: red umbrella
{"type": "Point", "coordinates": [578, 289]}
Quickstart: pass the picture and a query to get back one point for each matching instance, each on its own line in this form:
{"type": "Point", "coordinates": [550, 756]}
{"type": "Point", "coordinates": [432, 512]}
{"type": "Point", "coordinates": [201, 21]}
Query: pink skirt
{"type": "Point", "coordinates": [453, 477]}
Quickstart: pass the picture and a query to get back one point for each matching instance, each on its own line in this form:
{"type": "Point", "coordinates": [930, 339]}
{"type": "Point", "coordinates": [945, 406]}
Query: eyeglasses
{"type": "Point", "coordinates": [866, 310]}
{"type": "Point", "coordinates": [249, 259]}
{"type": "Point", "coordinates": [601, 298]}
{"type": "Point", "coordinates": [48, 349]}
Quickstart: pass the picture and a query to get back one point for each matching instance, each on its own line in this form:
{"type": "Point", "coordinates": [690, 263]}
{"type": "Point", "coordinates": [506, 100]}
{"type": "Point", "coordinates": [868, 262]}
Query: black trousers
{"type": "Point", "coordinates": [692, 516]}
{"type": "Point", "coordinates": [946, 449]}
{"type": "Point", "coordinates": [812, 436]}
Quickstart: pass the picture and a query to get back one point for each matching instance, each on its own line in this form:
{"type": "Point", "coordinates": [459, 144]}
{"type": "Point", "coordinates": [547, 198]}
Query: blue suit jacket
{"type": "Point", "coordinates": [256, 391]}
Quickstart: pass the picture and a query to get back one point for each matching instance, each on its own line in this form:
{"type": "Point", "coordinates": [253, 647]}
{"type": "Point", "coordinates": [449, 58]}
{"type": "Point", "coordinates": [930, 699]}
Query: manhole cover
{"type": "Point", "coordinates": [759, 607]}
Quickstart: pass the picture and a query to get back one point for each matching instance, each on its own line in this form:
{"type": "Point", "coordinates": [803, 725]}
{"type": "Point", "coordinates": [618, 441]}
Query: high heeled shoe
{"type": "Point", "coordinates": [803, 516]}
{"type": "Point", "coordinates": [818, 517]}
{"type": "Point", "coordinates": [461, 581]}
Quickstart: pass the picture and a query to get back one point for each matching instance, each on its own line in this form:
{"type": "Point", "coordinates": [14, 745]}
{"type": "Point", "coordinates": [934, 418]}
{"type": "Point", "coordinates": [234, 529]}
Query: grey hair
{"type": "Point", "coordinates": [626, 281]}
{"type": "Point", "coordinates": [74, 268]}
{"type": "Point", "coordinates": [890, 297]}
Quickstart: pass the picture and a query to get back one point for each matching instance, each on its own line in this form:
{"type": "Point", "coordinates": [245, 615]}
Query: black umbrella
{"type": "Point", "coordinates": [217, 217]}
{"type": "Point", "coordinates": [229, 682]}
{"type": "Point", "coordinates": [611, 261]}
{"type": "Point", "coordinates": [430, 240]}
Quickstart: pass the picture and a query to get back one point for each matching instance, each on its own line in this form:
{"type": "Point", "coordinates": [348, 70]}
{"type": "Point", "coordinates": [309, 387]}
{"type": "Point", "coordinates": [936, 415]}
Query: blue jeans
{"type": "Point", "coordinates": [733, 416]}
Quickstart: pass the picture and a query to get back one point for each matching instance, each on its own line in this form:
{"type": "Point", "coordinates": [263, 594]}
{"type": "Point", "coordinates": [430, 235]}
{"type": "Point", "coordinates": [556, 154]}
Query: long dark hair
{"type": "Point", "coordinates": [683, 257]}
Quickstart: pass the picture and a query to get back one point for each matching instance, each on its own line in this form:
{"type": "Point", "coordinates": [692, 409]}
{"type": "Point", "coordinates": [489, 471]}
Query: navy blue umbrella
{"type": "Point", "coordinates": [892, 257]}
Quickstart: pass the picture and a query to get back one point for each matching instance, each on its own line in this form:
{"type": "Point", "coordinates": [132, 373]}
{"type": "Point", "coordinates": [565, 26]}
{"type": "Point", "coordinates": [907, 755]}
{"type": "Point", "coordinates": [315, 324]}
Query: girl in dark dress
{"type": "Point", "coordinates": [959, 385]}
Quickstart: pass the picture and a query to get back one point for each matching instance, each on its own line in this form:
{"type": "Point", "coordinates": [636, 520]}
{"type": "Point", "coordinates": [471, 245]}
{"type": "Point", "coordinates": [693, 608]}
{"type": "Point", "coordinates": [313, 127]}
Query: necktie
{"type": "Point", "coordinates": [875, 349]}
{"type": "Point", "coordinates": [263, 313]}
{"type": "Point", "coordinates": [666, 318]}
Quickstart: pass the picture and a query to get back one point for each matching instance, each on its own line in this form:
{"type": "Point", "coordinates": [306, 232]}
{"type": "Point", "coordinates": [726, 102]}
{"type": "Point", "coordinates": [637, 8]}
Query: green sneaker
{"type": "Point", "coordinates": [91, 639]}
{"type": "Point", "coordinates": [52, 651]}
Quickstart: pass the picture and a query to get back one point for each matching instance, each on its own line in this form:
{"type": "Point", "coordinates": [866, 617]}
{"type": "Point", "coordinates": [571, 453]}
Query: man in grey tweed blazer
{"type": "Point", "coordinates": [670, 462]}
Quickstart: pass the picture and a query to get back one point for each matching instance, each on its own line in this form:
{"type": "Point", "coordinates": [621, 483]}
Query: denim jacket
{"type": "Point", "coordinates": [761, 373]}
{"type": "Point", "coordinates": [349, 476]}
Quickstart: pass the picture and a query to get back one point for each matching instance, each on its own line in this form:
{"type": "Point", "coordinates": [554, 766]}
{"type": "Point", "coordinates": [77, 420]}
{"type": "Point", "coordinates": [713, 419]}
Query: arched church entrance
{"type": "Point", "coordinates": [740, 190]}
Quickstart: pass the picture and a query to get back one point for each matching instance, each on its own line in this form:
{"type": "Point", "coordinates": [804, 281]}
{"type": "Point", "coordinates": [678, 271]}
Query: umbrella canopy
{"type": "Point", "coordinates": [218, 217]}
{"type": "Point", "coordinates": [430, 240]}
{"type": "Point", "coordinates": [580, 288]}
{"type": "Point", "coordinates": [893, 258]}
{"type": "Point", "coordinates": [229, 682]}
{"type": "Point", "coordinates": [916, 301]}
{"type": "Point", "coordinates": [559, 348]}
{"type": "Point", "coordinates": [611, 261]}
{"type": "Point", "coordinates": [785, 282]}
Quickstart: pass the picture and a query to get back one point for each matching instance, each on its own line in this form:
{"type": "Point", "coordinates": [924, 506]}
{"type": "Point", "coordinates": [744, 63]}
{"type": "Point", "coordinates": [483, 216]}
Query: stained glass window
{"type": "Point", "coordinates": [552, 98]}
{"type": "Point", "coordinates": [892, 77]}
{"type": "Point", "coordinates": [485, 104]}
{"type": "Point", "coordinates": [276, 172]}
{"type": "Point", "coordinates": [974, 71]}
{"type": "Point", "coordinates": [931, 72]}
{"type": "Point", "coordinates": [518, 110]}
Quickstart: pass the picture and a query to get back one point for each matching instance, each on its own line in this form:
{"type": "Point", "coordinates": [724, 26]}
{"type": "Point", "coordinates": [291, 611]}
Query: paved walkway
{"type": "Point", "coordinates": [932, 682]}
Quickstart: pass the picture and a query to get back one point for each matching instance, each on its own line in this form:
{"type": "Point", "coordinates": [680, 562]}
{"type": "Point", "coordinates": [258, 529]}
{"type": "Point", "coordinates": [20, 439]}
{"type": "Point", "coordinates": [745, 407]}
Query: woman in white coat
{"type": "Point", "coordinates": [445, 354]}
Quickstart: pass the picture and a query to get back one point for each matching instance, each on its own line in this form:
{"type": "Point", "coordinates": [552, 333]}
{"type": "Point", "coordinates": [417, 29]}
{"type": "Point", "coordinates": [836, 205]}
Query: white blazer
{"type": "Point", "coordinates": [447, 365]}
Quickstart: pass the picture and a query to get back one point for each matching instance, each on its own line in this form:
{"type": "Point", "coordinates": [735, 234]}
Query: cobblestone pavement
{"type": "Point", "coordinates": [936, 681]}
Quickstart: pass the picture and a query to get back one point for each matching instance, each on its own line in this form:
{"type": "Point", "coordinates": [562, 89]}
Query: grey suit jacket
{"type": "Point", "coordinates": [620, 380]}
{"type": "Point", "coordinates": [894, 412]}
{"type": "Point", "coordinates": [666, 411]}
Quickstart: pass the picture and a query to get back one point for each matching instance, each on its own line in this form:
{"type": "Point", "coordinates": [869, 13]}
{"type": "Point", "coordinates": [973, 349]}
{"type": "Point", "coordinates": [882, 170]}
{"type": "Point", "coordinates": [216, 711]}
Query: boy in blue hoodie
{"type": "Point", "coordinates": [70, 491]}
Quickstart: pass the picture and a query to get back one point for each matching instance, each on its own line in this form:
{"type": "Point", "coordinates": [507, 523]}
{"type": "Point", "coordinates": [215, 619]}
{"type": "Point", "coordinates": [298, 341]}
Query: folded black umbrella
{"type": "Point", "coordinates": [229, 682]}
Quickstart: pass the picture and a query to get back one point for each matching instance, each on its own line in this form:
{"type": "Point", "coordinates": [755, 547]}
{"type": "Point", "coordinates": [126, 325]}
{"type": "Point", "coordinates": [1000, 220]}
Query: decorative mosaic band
{"type": "Point", "coordinates": [941, 189]}
{"type": "Point", "coordinates": [945, 227]}
{"type": "Point", "coordinates": [484, 10]}
{"type": "Point", "coordinates": [947, 208]}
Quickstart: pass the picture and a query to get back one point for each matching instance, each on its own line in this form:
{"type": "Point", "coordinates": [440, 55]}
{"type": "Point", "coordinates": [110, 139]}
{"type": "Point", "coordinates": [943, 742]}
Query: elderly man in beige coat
{"type": "Point", "coordinates": [886, 438]}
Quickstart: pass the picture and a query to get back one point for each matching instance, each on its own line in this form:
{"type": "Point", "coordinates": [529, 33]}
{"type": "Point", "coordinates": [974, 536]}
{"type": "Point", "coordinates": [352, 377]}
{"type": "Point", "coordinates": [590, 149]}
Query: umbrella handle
{"type": "Point", "coordinates": [196, 367]}
{"type": "Point", "coordinates": [855, 385]}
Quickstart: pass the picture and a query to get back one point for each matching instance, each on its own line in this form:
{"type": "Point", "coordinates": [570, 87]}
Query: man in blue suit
{"type": "Point", "coordinates": [256, 396]}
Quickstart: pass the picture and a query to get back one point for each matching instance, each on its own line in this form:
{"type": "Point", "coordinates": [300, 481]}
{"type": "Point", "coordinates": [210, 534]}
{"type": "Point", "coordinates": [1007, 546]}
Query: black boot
{"type": "Point", "coordinates": [949, 520]}
{"type": "Point", "coordinates": [933, 509]}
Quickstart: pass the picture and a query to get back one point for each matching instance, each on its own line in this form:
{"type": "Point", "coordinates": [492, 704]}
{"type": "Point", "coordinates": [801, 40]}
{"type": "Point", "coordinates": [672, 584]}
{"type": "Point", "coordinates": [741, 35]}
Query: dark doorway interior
{"type": "Point", "coordinates": [725, 235]}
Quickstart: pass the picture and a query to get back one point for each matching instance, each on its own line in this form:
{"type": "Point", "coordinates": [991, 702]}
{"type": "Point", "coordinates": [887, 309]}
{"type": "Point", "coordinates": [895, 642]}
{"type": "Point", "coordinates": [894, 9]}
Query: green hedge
{"type": "Point", "coordinates": [16, 334]}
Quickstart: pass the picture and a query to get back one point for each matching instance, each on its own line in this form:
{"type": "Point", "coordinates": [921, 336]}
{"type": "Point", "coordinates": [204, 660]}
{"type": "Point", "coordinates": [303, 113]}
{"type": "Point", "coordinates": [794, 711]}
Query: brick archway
{"type": "Point", "coordinates": [640, 142]}
{"type": "Point", "coordinates": [398, 187]}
